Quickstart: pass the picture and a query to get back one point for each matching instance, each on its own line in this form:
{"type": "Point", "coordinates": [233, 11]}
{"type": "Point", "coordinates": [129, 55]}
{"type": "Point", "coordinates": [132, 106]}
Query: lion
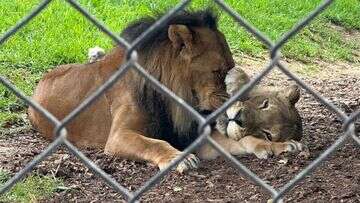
{"type": "Point", "coordinates": [189, 55]}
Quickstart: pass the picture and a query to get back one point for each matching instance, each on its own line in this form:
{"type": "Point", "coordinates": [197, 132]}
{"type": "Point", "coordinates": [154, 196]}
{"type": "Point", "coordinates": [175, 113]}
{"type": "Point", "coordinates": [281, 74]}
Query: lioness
{"type": "Point", "coordinates": [189, 55]}
{"type": "Point", "coordinates": [267, 112]}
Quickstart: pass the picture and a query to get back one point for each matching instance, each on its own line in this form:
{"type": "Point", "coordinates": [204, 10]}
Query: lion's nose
{"type": "Point", "coordinates": [205, 112]}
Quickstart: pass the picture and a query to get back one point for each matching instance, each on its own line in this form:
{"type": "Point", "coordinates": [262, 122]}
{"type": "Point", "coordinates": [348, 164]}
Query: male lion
{"type": "Point", "coordinates": [188, 55]}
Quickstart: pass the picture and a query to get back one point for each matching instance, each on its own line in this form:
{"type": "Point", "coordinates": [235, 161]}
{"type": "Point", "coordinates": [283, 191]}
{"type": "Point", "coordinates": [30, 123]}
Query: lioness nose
{"type": "Point", "coordinates": [238, 119]}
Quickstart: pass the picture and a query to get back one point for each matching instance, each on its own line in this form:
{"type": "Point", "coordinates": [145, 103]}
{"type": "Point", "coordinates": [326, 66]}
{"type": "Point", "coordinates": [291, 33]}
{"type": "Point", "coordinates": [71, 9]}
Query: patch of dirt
{"type": "Point", "coordinates": [348, 34]}
{"type": "Point", "coordinates": [5, 150]}
{"type": "Point", "coordinates": [336, 180]}
{"type": "Point", "coordinates": [317, 69]}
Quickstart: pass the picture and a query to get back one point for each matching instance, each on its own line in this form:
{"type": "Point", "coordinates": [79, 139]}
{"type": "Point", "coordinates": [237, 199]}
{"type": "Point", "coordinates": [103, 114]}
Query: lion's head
{"type": "Point", "coordinates": [191, 57]}
{"type": "Point", "coordinates": [267, 112]}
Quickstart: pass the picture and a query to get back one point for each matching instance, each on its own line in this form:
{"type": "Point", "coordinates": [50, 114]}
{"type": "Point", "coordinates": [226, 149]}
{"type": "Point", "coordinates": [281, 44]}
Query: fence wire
{"type": "Point", "coordinates": [204, 123]}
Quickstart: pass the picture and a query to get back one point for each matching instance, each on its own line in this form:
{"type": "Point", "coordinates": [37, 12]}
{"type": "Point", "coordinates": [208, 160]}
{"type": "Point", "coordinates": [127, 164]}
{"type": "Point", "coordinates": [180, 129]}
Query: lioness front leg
{"type": "Point", "coordinates": [264, 149]}
{"type": "Point", "coordinates": [207, 152]}
{"type": "Point", "coordinates": [248, 145]}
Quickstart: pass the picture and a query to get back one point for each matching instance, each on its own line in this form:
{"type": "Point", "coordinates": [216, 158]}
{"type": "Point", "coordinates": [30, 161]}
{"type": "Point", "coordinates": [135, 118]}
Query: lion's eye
{"type": "Point", "coordinates": [182, 45]}
{"type": "Point", "coordinates": [267, 135]}
{"type": "Point", "coordinates": [265, 104]}
{"type": "Point", "coordinates": [217, 71]}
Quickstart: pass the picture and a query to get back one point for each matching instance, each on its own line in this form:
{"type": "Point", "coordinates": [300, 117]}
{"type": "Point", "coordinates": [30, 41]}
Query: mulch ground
{"type": "Point", "coordinates": [336, 180]}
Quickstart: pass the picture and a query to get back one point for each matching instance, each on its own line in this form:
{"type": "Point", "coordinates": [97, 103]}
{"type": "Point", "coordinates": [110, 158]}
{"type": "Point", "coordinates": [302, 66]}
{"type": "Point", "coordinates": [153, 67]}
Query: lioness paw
{"type": "Point", "coordinates": [294, 146]}
{"type": "Point", "coordinates": [301, 148]}
{"type": "Point", "coordinates": [263, 152]}
{"type": "Point", "coordinates": [291, 146]}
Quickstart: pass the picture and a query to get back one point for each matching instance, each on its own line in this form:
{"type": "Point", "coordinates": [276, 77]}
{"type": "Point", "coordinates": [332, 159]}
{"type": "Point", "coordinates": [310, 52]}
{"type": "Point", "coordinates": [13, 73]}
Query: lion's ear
{"type": "Point", "coordinates": [180, 36]}
{"type": "Point", "coordinates": [292, 93]}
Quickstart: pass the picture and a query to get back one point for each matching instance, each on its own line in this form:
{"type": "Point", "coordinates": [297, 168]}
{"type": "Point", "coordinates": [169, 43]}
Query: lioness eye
{"type": "Point", "coordinates": [265, 104]}
{"type": "Point", "coordinates": [267, 135]}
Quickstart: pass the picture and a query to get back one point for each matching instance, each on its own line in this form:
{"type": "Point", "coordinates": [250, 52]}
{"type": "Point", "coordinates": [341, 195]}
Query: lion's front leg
{"type": "Point", "coordinates": [129, 144]}
{"type": "Point", "coordinates": [125, 141]}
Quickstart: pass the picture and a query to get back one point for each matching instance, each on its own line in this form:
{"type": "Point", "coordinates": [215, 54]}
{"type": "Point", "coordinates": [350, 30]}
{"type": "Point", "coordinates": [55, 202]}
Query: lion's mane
{"type": "Point", "coordinates": [168, 121]}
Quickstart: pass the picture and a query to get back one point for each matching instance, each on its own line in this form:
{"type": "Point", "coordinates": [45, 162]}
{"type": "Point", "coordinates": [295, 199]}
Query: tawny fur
{"type": "Point", "coordinates": [131, 119]}
{"type": "Point", "coordinates": [279, 118]}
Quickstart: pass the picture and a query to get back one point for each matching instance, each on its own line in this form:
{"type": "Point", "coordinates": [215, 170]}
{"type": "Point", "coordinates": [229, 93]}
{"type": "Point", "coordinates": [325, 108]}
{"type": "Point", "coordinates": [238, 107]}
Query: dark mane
{"type": "Point", "coordinates": [159, 108]}
{"type": "Point", "coordinates": [203, 18]}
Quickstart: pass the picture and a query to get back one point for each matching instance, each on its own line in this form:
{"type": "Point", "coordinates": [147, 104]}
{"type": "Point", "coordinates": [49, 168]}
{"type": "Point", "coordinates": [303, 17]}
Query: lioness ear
{"type": "Point", "coordinates": [292, 93]}
{"type": "Point", "coordinates": [235, 79]}
{"type": "Point", "coordinates": [180, 36]}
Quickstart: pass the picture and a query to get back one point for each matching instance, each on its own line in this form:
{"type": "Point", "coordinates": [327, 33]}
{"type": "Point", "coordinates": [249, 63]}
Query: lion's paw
{"type": "Point", "coordinates": [190, 162]}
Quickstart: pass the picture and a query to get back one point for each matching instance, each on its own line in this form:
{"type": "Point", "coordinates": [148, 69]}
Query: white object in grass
{"type": "Point", "coordinates": [95, 54]}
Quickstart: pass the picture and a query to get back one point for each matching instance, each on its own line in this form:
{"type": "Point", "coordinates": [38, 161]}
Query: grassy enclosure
{"type": "Point", "coordinates": [61, 35]}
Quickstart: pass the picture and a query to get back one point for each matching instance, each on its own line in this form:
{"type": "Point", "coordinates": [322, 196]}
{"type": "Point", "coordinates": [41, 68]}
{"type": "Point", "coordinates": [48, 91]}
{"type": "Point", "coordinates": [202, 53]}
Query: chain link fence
{"type": "Point", "coordinates": [204, 123]}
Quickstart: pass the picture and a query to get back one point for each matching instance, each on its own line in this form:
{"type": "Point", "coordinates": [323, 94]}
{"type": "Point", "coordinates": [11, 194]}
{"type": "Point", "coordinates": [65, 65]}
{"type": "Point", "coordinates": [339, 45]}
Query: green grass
{"type": "Point", "coordinates": [33, 188]}
{"type": "Point", "coordinates": [61, 35]}
{"type": "Point", "coordinates": [309, 70]}
{"type": "Point", "coordinates": [4, 176]}
{"type": "Point", "coordinates": [10, 105]}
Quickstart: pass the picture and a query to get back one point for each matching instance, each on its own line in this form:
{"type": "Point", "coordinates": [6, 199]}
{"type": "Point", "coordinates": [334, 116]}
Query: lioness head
{"type": "Point", "coordinates": [191, 57]}
{"type": "Point", "coordinates": [267, 113]}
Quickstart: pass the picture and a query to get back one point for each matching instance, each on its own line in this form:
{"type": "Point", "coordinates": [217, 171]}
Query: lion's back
{"type": "Point", "coordinates": [74, 83]}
